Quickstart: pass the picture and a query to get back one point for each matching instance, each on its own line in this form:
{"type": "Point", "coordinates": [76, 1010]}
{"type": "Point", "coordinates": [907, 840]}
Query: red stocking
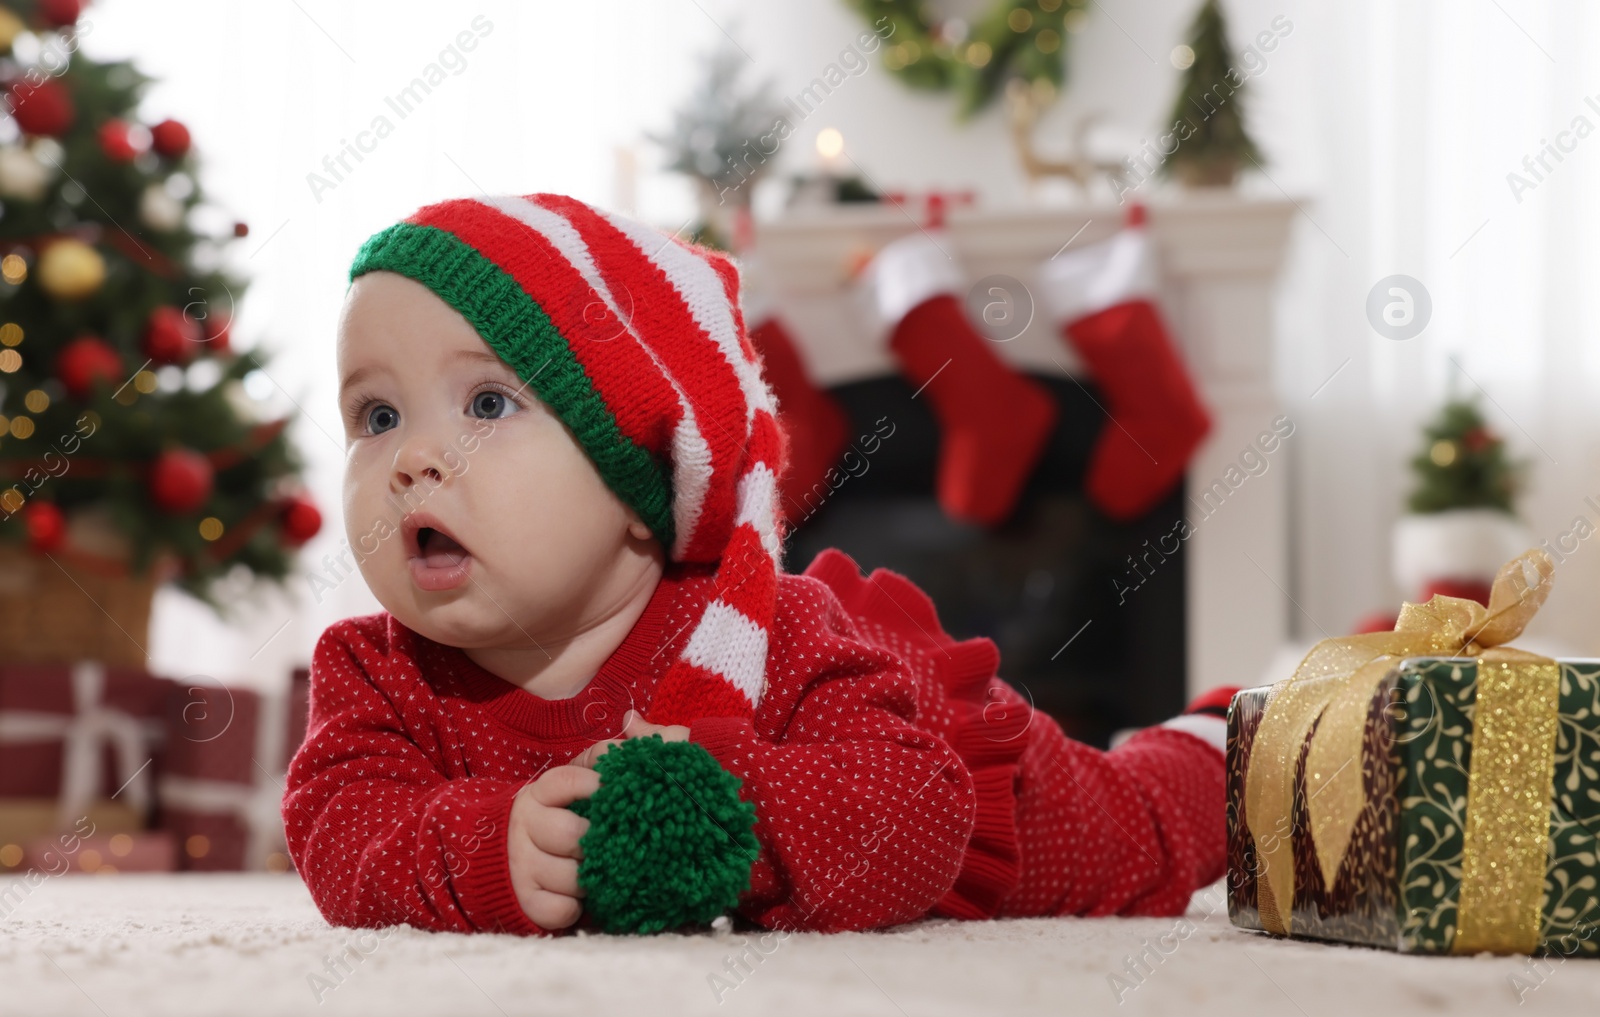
{"type": "Point", "coordinates": [815, 424]}
{"type": "Point", "coordinates": [993, 421]}
{"type": "Point", "coordinates": [1102, 295]}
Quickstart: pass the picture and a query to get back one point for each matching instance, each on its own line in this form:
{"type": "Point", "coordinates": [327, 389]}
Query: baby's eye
{"type": "Point", "coordinates": [489, 405]}
{"type": "Point", "coordinates": [381, 418]}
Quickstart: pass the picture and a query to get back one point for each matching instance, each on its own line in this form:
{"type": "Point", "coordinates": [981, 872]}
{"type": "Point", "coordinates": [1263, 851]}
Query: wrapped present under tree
{"type": "Point", "coordinates": [222, 790]}
{"type": "Point", "coordinates": [75, 736]}
{"type": "Point", "coordinates": [102, 853]}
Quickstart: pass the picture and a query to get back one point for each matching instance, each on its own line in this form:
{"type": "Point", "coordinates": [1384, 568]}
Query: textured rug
{"type": "Point", "coordinates": [127, 945]}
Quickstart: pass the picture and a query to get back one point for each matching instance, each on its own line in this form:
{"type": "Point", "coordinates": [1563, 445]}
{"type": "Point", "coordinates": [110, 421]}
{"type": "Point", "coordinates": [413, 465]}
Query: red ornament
{"type": "Point", "coordinates": [43, 107]}
{"type": "Point", "coordinates": [85, 359]}
{"type": "Point", "coordinates": [180, 480]}
{"type": "Point", "coordinates": [215, 332]}
{"type": "Point", "coordinates": [47, 526]}
{"type": "Point", "coordinates": [1478, 439]}
{"type": "Point", "coordinates": [301, 519]}
{"type": "Point", "coordinates": [117, 141]}
{"type": "Point", "coordinates": [60, 13]}
{"type": "Point", "coordinates": [170, 336]}
{"type": "Point", "coordinates": [169, 138]}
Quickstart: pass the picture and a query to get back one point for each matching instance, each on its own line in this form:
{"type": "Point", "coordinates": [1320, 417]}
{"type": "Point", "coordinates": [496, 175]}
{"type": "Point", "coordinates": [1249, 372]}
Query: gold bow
{"type": "Point", "coordinates": [1512, 759]}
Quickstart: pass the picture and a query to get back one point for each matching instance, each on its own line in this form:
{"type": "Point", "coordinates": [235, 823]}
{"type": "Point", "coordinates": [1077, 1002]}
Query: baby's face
{"type": "Point", "coordinates": [477, 519]}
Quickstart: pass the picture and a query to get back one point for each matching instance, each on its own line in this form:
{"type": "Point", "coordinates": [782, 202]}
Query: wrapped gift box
{"type": "Point", "coordinates": [222, 786]}
{"type": "Point", "coordinates": [1428, 804]}
{"type": "Point", "coordinates": [24, 820]}
{"type": "Point", "coordinates": [102, 853]}
{"type": "Point", "coordinates": [78, 733]}
{"type": "Point", "coordinates": [299, 712]}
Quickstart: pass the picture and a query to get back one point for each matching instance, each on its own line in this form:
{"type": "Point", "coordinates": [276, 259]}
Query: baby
{"type": "Point", "coordinates": [560, 481]}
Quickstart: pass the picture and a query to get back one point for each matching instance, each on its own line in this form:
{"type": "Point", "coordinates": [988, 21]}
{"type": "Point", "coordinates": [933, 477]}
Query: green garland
{"type": "Point", "coordinates": [1014, 39]}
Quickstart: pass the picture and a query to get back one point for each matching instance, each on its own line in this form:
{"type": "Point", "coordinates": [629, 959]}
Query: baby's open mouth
{"type": "Point", "coordinates": [438, 549]}
{"type": "Point", "coordinates": [437, 560]}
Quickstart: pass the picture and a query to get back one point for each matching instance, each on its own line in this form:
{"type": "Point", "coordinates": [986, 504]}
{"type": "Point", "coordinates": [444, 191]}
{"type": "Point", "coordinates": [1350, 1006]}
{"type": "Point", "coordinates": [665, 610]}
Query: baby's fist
{"type": "Point", "coordinates": [542, 846]}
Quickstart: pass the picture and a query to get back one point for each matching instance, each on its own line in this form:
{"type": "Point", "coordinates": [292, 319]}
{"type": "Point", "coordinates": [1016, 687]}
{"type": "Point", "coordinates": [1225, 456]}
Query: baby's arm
{"type": "Point", "coordinates": [382, 837]}
{"type": "Point", "coordinates": [1133, 831]}
{"type": "Point", "coordinates": [863, 818]}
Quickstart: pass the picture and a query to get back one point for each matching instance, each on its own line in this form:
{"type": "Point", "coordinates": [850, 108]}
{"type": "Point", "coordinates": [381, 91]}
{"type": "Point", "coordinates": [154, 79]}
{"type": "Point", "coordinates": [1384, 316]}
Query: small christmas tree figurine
{"type": "Point", "coordinates": [724, 136]}
{"type": "Point", "coordinates": [1463, 464]}
{"type": "Point", "coordinates": [1214, 144]}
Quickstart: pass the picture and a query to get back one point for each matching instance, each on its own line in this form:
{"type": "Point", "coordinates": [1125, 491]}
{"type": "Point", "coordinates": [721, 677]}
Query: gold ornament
{"type": "Point", "coordinates": [1443, 452]}
{"type": "Point", "coordinates": [11, 26]}
{"type": "Point", "coordinates": [70, 269]}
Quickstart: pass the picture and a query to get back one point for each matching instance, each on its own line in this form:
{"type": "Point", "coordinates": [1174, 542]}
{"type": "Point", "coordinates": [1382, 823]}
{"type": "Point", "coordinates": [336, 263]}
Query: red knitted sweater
{"type": "Point", "coordinates": [894, 774]}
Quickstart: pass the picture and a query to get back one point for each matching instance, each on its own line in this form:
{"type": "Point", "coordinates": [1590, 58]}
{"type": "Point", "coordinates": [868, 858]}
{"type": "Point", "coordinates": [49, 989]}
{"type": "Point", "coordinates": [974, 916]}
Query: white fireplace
{"type": "Point", "coordinates": [1220, 256]}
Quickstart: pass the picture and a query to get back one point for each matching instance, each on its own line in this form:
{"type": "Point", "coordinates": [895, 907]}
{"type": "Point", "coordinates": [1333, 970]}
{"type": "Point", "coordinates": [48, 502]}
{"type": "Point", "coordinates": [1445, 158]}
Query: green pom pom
{"type": "Point", "coordinates": [669, 842]}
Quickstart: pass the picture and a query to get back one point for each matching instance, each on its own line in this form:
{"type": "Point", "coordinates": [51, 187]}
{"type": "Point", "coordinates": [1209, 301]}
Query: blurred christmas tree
{"type": "Point", "coordinates": [127, 439]}
{"type": "Point", "coordinates": [1217, 144]}
{"type": "Point", "coordinates": [1463, 464]}
{"type": "Point", "coordinates": [724, 136]}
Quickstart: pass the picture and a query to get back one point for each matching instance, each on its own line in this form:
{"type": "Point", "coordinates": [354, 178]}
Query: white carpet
{"type": "Point", "coordinates": [127, 945]}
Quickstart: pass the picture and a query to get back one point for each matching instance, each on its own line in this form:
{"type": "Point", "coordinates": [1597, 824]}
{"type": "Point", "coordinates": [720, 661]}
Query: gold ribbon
{"type": "Point", "coordinates": [1513, 758]}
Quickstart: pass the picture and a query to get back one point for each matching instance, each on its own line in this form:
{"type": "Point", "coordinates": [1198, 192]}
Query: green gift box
{"type": "Point", "coordinates": [1422, 820]}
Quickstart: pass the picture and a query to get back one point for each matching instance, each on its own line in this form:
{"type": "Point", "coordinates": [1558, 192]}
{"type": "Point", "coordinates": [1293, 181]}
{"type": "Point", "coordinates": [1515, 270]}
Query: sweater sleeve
{"type": "Point", "coordinates": [377, 831]}
{"type": "Point", "coordinates": [862, 816]}
{"type": "Point", "coordinates": [1132, 831]}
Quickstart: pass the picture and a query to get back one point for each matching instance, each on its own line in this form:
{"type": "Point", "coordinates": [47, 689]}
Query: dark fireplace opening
{"type": "Point", "coordinates": [1093, 641]}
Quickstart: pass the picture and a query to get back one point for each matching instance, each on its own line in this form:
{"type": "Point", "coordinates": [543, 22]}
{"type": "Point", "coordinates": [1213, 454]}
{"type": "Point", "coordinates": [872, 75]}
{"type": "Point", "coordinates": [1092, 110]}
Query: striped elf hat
{"type": "Point", "coordinates": [636, 341]}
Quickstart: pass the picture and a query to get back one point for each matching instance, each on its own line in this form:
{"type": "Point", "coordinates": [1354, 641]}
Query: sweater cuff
{"type": "Point", "coordinates": [483, 887]}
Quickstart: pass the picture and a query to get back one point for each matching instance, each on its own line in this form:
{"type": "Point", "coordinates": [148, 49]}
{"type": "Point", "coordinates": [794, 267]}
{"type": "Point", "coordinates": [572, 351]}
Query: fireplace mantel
{"type": "Point", "coordinates": [1220, 255]}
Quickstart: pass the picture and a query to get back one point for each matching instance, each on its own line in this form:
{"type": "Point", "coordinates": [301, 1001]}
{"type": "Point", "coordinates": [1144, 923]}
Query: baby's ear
{"type": "Point", "coordinates": [637, 528]}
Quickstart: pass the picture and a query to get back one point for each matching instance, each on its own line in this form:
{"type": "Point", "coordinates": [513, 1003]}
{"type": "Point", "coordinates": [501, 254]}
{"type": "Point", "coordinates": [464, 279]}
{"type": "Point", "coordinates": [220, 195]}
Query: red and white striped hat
{"type": "Point", "coordinates": [635, 340]}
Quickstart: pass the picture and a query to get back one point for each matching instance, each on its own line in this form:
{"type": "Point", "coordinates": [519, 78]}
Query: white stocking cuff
{"type": "Point", "coordinates": [1090, 279]}
{"type": "Point", "coordinates": [909, 271]}
{"type": "Point", "coordinates": [755, 302]}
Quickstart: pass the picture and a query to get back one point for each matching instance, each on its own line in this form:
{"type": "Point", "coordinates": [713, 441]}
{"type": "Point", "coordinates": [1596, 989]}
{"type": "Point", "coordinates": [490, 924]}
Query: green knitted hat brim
{"type": "Point", "coordinates": [522, 334]}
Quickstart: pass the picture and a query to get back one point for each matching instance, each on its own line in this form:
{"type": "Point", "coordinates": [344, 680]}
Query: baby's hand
{"type": "Point", "coordinates": [633, 726]}
{"type": "Point", "coordinates": [542, 850]}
